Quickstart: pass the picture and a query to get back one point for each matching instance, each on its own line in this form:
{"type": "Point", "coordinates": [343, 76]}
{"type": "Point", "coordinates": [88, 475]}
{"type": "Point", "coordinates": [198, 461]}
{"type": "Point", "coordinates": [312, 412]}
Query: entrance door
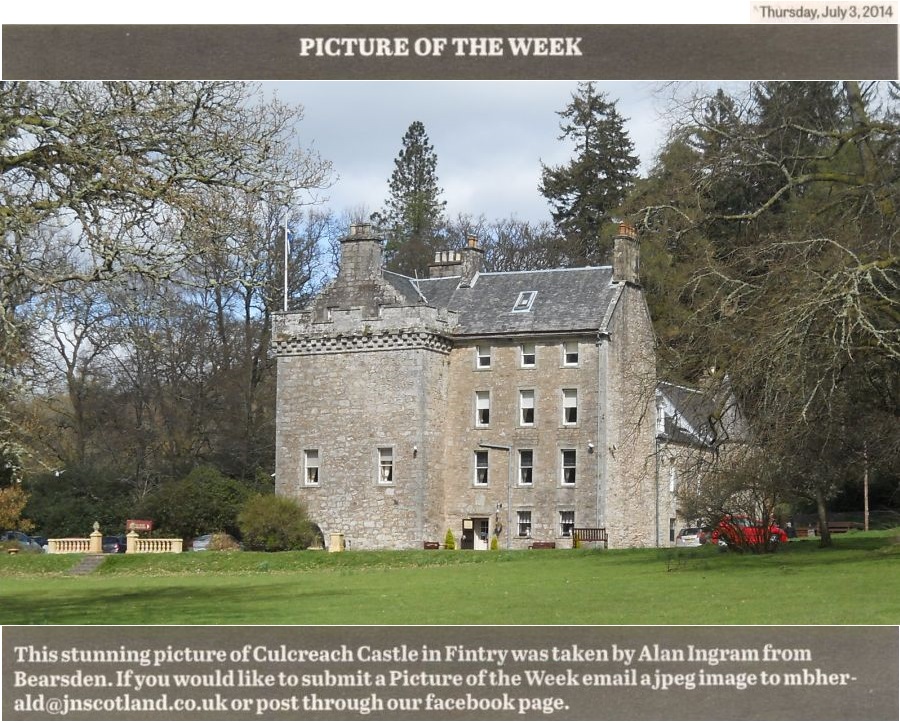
{"type": "Point", "coordinates": [476, 534]}
{"type": "Point", "coordinates": [482, 527]}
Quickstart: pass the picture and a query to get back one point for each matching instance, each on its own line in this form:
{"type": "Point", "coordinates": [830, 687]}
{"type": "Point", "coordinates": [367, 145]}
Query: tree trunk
{"type": "Point", "coordinates": [824, 535]}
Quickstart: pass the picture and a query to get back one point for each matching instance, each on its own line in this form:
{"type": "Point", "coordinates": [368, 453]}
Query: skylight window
{"type": "Point", "coordinates": [525, 300]}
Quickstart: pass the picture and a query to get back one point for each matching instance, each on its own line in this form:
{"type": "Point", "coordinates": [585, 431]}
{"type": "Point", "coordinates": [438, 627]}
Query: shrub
{"type": "Point", "coordinates": [204, 500]}
{"type": "Point", "coordinates": [495, 543]}
{"type": "Point", "coordinates": [449, 540]}
{"type": "Point", "coordinates": [271, 523]}
{"type": "Point", "coordinates": [223, 542]}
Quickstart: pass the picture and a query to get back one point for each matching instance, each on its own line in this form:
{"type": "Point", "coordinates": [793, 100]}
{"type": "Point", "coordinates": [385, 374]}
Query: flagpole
{"type": "Point", "coordinates": [286, 254]}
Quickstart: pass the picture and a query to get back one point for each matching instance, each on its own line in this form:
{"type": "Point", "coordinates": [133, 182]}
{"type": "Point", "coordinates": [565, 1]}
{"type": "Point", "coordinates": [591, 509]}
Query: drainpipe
{"type": "Point", "coordinates": [656, 443]}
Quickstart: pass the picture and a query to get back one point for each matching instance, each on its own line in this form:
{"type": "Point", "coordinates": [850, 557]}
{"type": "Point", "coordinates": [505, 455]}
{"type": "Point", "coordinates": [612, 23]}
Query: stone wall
{"type": "Point", "coordinates": [631, 494]}
{"type": "Point", "coordinates": [357, 404]}
{"type": "Point", "coordinates": [504, 380]}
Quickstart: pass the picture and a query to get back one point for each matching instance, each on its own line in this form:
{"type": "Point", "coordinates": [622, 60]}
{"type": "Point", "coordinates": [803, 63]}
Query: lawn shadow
{"type": "Point", "coordinates": [198, 602]}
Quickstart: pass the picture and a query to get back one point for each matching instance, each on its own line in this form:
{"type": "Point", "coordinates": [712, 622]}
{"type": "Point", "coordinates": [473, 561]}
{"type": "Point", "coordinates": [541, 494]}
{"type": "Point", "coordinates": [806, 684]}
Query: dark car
{"type": "Point", "coordinates": [114, 543]}
{"type": "Point", "coordinates": [20, 541]}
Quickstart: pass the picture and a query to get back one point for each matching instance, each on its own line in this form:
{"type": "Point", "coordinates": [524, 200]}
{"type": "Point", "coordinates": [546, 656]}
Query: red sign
{"type": "Point", "coordinates": [139, 525]}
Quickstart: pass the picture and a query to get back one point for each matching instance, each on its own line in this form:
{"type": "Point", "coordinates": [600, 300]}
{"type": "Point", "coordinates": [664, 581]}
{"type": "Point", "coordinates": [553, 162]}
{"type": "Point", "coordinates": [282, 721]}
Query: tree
{"type": "Point", "coordinates": [204, 501]}
{"type": "Point", "coordinates": [584, 193]}
{"type": "Point", "coordinates": [781, 202]}
{"type": "Point", "coordinates": [413, 211]}
{"type": "Point", "coordinates": [13, 500]}
{"type": "Point", "coordinates": [121, 184]}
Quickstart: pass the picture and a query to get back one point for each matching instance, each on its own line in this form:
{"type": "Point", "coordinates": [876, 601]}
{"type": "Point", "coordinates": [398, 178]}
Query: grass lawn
{"type": "Point", "coordinates": [857, 582]}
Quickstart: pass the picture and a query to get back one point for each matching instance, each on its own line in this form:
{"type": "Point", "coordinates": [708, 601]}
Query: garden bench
{"type": "Point", "coordinates": [839, 527]}
{"type": "Point", "coordinates": [431, 545]}
{"type": "Point", "coordinates": [592, 534]}
{"type": "Point", "coordinates": [542, 546]}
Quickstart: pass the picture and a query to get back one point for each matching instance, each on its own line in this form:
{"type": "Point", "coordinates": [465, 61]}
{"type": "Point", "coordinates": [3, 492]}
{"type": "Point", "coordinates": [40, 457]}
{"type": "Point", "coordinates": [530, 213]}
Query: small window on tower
{"type": "Point", "coordinates": [385, 465]}
{"type": "Point", "coordinates": [525, 300]}
{"type": "Point", "coordinates": [311, 465]}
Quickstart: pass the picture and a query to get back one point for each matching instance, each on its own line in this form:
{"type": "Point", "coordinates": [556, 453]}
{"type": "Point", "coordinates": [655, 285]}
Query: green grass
{"type": "Point", "coordinates": [856, 582]}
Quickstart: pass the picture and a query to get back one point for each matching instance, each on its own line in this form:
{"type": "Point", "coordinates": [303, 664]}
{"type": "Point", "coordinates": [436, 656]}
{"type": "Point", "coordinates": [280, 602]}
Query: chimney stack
{"type": "Point", "coordinates": [361, 254]}
{"type": "Point", "coordinates": [472, 260]}
{"type": "Point", "coordinates": [465, 263]}
{"type": "Point", "coordinates": [626, 255]}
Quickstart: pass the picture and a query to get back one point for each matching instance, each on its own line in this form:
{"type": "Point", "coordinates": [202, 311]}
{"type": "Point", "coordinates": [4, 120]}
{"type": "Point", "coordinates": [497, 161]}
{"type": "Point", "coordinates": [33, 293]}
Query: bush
{"type": "Point", "coordinates": [449, 540]}
{"type": "Point", "coordinates": [271, 523]}
{"type": "Point", "coordinates": [204, 500]}
{"type": "Point", "coordinates": [495, 543]}
{"type": "Point", "coordinates": [223, 542]}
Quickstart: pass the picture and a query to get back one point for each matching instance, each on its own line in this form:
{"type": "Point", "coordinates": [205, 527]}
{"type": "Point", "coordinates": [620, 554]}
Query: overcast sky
{"type": "Point", "coordinates": [490, 137]}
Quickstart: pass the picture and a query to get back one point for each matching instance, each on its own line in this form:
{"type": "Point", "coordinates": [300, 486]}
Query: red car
{"type": "Point", "coordinates": [742, 532]}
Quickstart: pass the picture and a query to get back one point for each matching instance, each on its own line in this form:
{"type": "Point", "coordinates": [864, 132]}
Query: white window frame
{"type": "Point", "coordinates": [482, 404]}
{"type": "Point", "coordinates": [524, 302]}
{"type": "Point", "coordinates": [527, 350]}
{"type": "Point", "coordinates": [310, 455]}
{"type": "Point", "coordinates": [483, 356]}
{"type": "Point", "coordinates": [523, 467]}
{"type": "Point", "coordinates": [386, 470]}
{"type": "Point", "coordinates": [566, 523]}
{"type": "Point", "coordinates": [482, 468]}
{"type": "Point", "coordinates": [569, 395]}
{"type": "Point", "coordinates": [570, 349]}
{"type": "Point", "coordinates": [564, 467]}
{"type": "Point", "coordinates": [524, 523]}
{"type": "Point", "coordinates": [526, 401]}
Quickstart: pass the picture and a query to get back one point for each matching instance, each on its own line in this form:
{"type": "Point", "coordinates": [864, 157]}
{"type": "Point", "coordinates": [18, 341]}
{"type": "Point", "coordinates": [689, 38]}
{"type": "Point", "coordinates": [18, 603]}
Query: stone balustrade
{"type": "Point", "coordinates": [154, 544]}
{"type": "Point", "coordinates": [68, 545]}
{"type": "Point", "coordinates": [93, 544]}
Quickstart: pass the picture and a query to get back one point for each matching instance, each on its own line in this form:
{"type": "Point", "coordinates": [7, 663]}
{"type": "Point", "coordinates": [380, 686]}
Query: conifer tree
{"type": "Point", "coordinates": [413, 211]}
{"type": "Point", "coordinates": [584, 193]}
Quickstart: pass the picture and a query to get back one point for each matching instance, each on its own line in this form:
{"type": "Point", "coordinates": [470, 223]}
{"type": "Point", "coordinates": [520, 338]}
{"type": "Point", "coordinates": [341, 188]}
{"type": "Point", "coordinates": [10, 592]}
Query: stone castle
{"type": "Point", "coordinates": [515, 405]}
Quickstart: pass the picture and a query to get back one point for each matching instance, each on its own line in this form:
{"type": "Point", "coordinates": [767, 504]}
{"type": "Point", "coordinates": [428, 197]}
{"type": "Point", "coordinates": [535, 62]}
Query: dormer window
{"type": "Point", "coordinates": [525, 300]}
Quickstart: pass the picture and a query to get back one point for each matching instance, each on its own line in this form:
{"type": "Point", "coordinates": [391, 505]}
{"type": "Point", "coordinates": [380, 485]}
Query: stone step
{"type": "Point", "coordinates": [87, 564]}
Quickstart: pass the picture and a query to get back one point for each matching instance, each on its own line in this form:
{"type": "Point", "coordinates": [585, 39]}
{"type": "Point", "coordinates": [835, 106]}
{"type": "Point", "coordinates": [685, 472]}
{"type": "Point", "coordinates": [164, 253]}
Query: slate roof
{"type": "Point", "coordinates": [566, 300]}
{"type": "Point", "coordinates": [702, 417]}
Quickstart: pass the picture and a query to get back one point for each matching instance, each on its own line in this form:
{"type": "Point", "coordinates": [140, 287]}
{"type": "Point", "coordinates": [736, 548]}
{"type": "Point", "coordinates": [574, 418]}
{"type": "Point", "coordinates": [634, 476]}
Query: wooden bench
{"type": "Point", "coordinates": [835, 528]}
{"type": "Point", "coordinates": [592, 534]}
{"type": "Point", "coordinates": [431, 545]}
{"type": "Point", "coordinates": [542, 546]}
{"type": "Point", "coordinates": [839, 527]}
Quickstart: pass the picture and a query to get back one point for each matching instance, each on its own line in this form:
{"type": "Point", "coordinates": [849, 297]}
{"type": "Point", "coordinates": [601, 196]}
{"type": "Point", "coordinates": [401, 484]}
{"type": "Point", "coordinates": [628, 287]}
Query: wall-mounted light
{"type": "Point", "coordinates": [590, 447]}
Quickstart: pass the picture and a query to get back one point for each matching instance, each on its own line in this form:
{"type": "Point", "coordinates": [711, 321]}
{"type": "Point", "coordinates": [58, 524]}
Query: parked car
{"type": "Point", "coordinates": [692, 537]}
{"type": "Point", "coordinates": [114, 544]}
{"type": "Point", "coordinates": [742, 532]}
{"type": "Point", "coordinates": [201, 543]}
{"type": "Point", "coordinates": [42, 541]}
{"type": "Point", "coordinates": [21, 540]}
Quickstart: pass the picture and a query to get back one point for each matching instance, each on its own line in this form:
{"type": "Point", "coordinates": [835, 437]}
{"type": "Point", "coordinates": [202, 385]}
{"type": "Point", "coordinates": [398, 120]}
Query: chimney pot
{"type": "Point", "coordinates": [627, 230]}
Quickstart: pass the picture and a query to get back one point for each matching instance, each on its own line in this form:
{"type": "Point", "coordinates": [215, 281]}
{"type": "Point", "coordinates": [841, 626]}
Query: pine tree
{"type": "Point", "coordinates": [413, 212]}
{"type": "Point", "coordinates": [584, 193]}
